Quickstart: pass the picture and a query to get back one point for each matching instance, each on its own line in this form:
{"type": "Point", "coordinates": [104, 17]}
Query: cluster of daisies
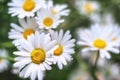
{"type": "Point", "coordinates": [103, 35]}
{"type": "Point", "coordinates": [39, 45]}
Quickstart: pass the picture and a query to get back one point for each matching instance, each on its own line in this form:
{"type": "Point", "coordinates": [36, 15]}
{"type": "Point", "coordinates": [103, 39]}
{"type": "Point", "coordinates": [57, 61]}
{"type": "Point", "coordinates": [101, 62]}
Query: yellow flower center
{"type": "Point", "coordinates": [38, 56]}
{"type": "Point", "coordinates": [29, 5]}
{"type": "Point", "coordinates": [54, 11]}
{"type": "Point", "coordinates": [48, 21]}
{"type": "Point", "coordinates": [89, 7]}
{"type": "Point", "coordinates": [99, 43]}
{"type": "Point", "coordinates": [58, 51]}
{"type": "Point", "coordinates": [28, 32]}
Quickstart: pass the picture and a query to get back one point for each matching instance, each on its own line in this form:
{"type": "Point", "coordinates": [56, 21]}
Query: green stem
{"type": "Point", "coordinates": [7, 44]}
{"type": "Point", "coordinates": [7, 58]}
{"type": "Point", "coordinates": [95, 66]}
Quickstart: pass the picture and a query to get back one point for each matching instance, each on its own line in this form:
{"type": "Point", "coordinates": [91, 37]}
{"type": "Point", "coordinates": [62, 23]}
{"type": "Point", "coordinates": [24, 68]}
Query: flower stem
{"type": "Point", "coordinates": [7, 58]}
{"type": "Point", "coordinates": [95, 66]}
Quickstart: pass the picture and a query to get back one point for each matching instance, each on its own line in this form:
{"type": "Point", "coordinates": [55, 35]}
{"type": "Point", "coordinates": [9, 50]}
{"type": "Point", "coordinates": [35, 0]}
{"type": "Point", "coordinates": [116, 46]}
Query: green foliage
{"type": "Point", "coordinates": [72, 22]}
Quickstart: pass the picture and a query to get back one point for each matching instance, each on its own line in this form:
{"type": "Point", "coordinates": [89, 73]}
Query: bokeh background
{"type": "Point", "coordinates": [81, 67]}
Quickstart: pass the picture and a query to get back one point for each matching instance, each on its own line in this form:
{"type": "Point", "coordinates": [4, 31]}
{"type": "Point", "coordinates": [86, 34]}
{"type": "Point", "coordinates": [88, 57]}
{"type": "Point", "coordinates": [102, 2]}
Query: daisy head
{"type": "Point", "coordinates": [24, 8]}
{"type": "Point", "coordinates": [47, 20]}
{"type": "Point", "coordinates": [3, 63]}
{"type": "Point", "coordinates": [58, 9]}
{"type": "Point", "coordinates": [65, 47]}
{"type": "Point", "coordinates": [100, 38]}
{"type": "Point", "coordinates": [87, 7]}
{"type": "Point", "coordinates": [27, 27]}
{"type": "Point", "coordinates": [34, 56]}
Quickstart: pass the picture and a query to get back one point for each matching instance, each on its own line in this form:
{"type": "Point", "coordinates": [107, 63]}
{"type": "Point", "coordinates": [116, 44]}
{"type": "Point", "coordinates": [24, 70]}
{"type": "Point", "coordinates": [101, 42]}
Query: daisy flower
{"type": "Point", "coordinates": [87, 7]}
{"type": "Point", "coordinates": [34, 57]}
{"type": "Point", "coordinates": [65, 47]}
{"type": "Point", "coordinates": [59, 9]}
{"type": "Point", "coordinates": [26, 28]}
{"type": "Point", "coordinates": [100, 38]}
{"type": "Point", "coordinates": [46, 19]}
{"type": "Point", "coordinates": [24, 8]}
{"type": "Point", "coordinates": [3, 62]}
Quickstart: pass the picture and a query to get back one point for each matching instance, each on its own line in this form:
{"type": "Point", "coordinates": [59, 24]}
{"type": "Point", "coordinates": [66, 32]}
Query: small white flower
{"type": "Point", "coordinates": [3, 62]}
{"type": "Point", "coordinates": [59, 9]}
{"type": "Point", "coordinates": [34, 56]}
{"type": "Point", "coordinates": [100, 38]}
{"type": "Point", "coordinates": [46, 19]}
{"type": "Point", "coordinates": [65, 47]}
{"type": "Point", "coordinates": [24, 8]}
{"type": "Point", "coordinates": [26, 28]}
{"type": "Point", "coordinates": [87, 7]}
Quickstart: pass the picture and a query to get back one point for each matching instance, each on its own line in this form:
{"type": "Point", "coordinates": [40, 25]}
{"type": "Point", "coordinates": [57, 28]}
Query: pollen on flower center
{"type": "Point", "coordinates": [48, 21]}
{"type": "Point", "coordinates": [89, 7]}
{"type": "Point", "coordinates": [38, 56]}
{"type": "Point", "coordinates": [58, 51]}
{"type": "Point", "coordinates": [28, 32]}
{"type": "Point", "coordinates": [54, 11]}
{"type": "Point", "coordinates": [29, 5]}
{"type": "Point", "coordinates": [99, 43]}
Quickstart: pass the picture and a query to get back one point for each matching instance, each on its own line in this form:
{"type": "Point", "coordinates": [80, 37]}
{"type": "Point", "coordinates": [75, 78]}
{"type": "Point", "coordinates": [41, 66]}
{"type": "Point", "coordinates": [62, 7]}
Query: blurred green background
{"type": "Point", "coordinates": [72, 22]}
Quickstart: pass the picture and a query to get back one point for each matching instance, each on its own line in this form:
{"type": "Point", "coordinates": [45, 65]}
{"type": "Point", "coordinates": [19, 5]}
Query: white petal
{"type": "Point", "coordinates": [40, 74]}
{"type": "Point", "coordinates": [63, 60]}
{"type": "Point", "coordinates": [34, 73]}
{"type": "Point", "coordinates": [60, 65]}
{"type": "Point", "coordinates": [29, 71]}
{"type": "Point", "coordinates": [42, 67]}
{"type": "Point", "coordinates": [22, 54]}
{"type": "Point", "coordinates": [20, 63]}
{"type": "Point", "coordinates": [47, 66]}
{"type": "Point", "coordinates": [104, 53]}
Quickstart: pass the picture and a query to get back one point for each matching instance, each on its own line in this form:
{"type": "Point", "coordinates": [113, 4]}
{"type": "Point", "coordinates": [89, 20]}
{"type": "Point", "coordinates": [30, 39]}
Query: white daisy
{"type": "Point", "coordinates": [100, 38]}
{"type": "Point", "coordinates": [65, 47]}
{"type": "Point", "coordinates": [3, 62]}
{"type": "Point", "coordinates": [26, 28]}
{"type": "Point", "coordinates": [24, 8]}
{"type": "Point", "coordinates": [87, 7]}
{"type": "Point", "coordinates": [34, 56]}
{"type": "Point", "coordinates": [59, 9]}
{"type": "Point", "coordinates": [46, 19]}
